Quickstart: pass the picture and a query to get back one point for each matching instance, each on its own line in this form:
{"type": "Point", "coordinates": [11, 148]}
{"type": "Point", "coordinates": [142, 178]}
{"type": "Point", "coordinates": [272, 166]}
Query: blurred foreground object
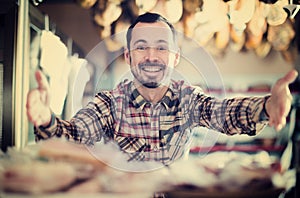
{"type": "Point", "coordinates": [56, 166]}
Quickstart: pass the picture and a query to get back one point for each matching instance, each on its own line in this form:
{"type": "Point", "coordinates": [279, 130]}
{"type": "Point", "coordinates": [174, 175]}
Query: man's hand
{"type": "Point", "coordinates": [38, 102]}
{"type": "Point", "coordinates": [279, 104]}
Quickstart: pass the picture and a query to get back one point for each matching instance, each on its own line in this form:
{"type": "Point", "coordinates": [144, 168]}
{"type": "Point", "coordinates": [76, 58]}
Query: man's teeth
{"type": "Point", "coordinates": [152, 69]}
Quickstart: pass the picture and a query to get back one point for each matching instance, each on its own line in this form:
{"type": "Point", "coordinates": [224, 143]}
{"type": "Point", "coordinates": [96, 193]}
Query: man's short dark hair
{"type": "Point", "coordinates": [148, 18]}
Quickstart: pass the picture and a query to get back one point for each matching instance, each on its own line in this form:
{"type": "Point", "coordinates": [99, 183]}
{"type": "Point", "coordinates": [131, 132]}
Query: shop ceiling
{"type": "Point", "coordinates": [259, 25]}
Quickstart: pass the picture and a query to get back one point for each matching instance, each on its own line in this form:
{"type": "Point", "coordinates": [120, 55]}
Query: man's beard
{"type": "Point", "coordinates": [149, 84]}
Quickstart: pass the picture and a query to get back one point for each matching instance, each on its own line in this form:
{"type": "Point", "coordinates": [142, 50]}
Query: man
{"type": "Point", "coordinates": [152, 116]}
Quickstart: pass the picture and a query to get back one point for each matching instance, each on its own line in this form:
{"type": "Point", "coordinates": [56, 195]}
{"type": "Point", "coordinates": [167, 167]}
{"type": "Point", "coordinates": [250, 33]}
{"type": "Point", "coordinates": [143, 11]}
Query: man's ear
{"type": "Point", "coordinates": [127, 56]}
{"type": "Point", "coordinates": [177, 58]}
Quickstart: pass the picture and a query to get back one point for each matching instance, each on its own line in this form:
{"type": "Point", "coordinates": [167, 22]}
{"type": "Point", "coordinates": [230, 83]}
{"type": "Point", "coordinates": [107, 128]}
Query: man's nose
{"type": "Point", "coordinates": [151, 54]}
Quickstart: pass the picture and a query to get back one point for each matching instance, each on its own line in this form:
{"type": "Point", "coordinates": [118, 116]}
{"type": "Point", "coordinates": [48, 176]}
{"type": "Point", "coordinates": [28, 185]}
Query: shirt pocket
{"type": "Point", "coordinates": [180, 138]}
{"type": "Point", "coordinates": [178, 146]}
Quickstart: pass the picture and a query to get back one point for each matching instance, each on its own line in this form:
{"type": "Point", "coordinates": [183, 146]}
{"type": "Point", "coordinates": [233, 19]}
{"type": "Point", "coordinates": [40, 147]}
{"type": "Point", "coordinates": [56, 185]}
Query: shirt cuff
{"type": "Point", "coordinates": [52, 122]}
{"type": "Point", "coordinates": [264, 116]}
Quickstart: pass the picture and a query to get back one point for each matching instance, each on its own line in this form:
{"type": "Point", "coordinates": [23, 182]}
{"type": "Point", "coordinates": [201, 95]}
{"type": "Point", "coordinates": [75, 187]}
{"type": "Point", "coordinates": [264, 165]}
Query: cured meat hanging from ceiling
{"type": "Point", "coordinates": [216, 25]}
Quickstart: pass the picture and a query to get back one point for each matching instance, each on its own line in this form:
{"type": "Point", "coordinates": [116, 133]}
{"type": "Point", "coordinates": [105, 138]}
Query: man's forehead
{"type": "Point", "coordinates": [152, 31]}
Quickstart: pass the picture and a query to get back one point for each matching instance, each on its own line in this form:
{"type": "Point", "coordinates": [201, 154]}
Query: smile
{"type": "Point", "coordinates": [152, 68]}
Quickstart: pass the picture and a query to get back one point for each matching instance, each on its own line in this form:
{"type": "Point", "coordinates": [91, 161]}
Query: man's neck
{"type": "Point", "coordinates": [153, 95]}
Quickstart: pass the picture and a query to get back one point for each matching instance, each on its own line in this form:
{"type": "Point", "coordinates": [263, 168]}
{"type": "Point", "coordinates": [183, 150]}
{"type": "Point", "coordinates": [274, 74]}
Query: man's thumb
{"type": "Point", "coordinates": [41, 80]}
{"type": "Point", "coordinates": [290, 76]}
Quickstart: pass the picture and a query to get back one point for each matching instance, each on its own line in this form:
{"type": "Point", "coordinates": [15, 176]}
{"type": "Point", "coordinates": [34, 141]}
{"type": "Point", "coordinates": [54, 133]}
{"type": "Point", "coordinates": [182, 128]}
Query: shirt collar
{"type": "Point", "coordinates": [170, 98]}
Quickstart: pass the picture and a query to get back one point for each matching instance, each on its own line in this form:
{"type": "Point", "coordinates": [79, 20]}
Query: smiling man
{"type": "Point", "coordinates": [152, 54]}
{"type": "Point", "coordinates": [152, 116]}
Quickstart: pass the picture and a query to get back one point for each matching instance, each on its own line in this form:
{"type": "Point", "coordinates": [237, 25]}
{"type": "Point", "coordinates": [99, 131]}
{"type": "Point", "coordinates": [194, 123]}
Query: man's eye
{"type": "Point", "coordinates": [142, 48]}
{"type": "Point", "coordinates": [162, 48]}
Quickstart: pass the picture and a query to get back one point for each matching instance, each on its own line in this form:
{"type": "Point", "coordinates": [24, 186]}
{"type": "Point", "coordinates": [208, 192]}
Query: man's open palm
{"type": "Point", "coordinates": [38, 102]}
{"type": "Point", "coordinates": [279, 104]}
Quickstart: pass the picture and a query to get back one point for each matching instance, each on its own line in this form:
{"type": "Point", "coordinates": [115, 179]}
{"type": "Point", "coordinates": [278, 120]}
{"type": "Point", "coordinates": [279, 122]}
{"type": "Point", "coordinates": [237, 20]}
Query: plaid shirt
{"type": "Point", "coordinates": [161, 131]}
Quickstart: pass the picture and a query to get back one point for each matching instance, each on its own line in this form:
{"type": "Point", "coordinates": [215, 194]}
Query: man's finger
{"type": "Point", "coordinates": [290, 77]}
{"type": "Point", "coordinates": [41, 80]}
{"type": "Point", "coordinates": [278, 127]}
{"type": "Point", "coordinates": [279, 123]}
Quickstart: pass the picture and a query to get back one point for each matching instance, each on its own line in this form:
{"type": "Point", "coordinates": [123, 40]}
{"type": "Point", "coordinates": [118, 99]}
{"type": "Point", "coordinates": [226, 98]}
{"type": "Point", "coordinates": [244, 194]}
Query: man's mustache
{"type": "Point", "coordinates": [152, 64]}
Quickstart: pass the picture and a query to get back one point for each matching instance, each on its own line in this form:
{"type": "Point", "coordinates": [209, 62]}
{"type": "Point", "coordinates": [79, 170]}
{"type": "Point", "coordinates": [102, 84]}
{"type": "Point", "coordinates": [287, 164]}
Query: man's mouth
{"type": "Point", "coordinates": [152, 67]}
{"type": "Point", "coordinates": [152, 74]}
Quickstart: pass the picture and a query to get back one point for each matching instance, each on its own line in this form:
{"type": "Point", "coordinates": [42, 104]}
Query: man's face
{"type": "Point", "coordinates": [152, 54]}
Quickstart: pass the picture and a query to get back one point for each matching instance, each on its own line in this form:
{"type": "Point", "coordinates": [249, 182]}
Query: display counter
{"type": "Point", "coordinates": [56, 168]}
